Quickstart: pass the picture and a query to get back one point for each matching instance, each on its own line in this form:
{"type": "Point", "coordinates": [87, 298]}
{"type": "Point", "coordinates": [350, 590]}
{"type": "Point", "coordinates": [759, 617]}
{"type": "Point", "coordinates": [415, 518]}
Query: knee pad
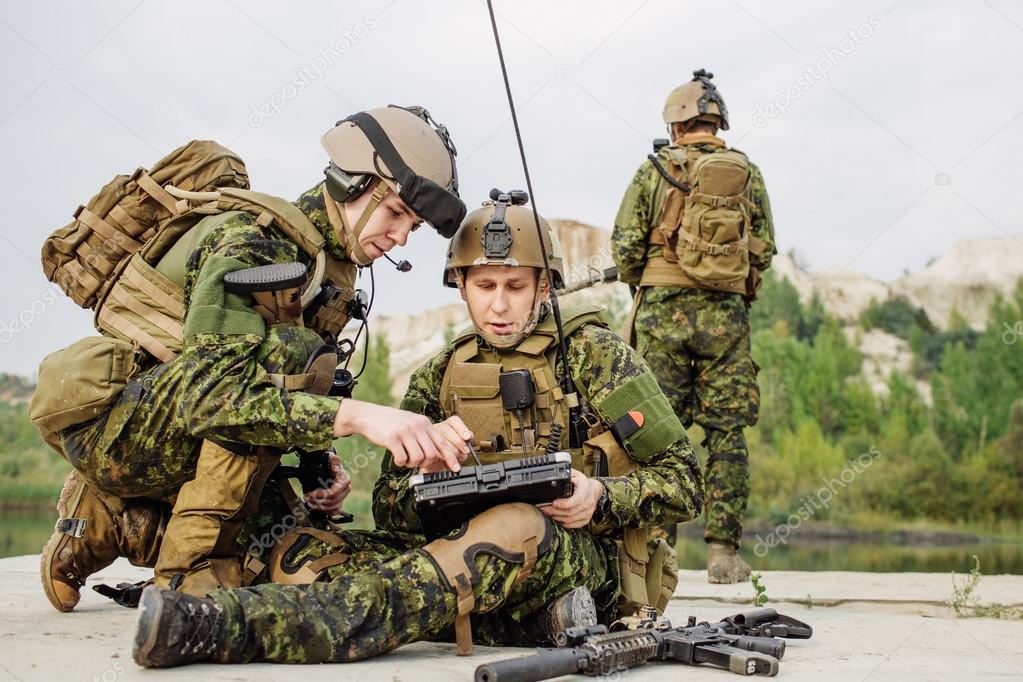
{"type": "Point", "coordinates": [303, 556]}
{"type": "Point", "coordinates": [517, 533]}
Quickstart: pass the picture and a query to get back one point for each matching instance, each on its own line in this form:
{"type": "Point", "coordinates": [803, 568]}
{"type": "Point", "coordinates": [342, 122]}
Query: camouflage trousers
{"type": "Point", "coordinates": [142, 446]}
{"type": "Point", "coordinates": [698, 345]}
{"type": "Point", "coordinates": [388, 593]}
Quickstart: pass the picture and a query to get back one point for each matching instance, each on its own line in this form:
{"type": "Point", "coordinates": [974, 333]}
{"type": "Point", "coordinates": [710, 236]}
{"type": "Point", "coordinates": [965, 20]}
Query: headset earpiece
{"type": "Point", "coordinates": [343, 187]}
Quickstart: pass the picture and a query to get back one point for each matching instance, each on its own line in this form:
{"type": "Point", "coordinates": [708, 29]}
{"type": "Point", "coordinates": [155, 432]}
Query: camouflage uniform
{"type": "Point", "coordinates": [697, 343]}
{"type": "Point", "coordinates": [388, 592]}
{"type": "Point", "coordinates": [218, 388]}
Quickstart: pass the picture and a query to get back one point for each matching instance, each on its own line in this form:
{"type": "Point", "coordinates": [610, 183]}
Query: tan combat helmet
{"type": "Point", "coordinates": [410, 152]}
{"type": "Point", "coordinates": [698, 99]}
{"type": "Point", "coordinates": [503, 232]}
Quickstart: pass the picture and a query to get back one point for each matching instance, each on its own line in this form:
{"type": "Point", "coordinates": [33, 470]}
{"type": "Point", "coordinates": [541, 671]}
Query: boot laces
{"type": "Point", "coordinates": [202, 625]}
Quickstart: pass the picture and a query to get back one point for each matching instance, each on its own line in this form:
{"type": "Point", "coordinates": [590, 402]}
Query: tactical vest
{"type": "Point", "coordinates": [470, 389]}
{"type": "Point", "coordinates": [145, 303]}
{"type": "Point", "coordinates": [703, 232]}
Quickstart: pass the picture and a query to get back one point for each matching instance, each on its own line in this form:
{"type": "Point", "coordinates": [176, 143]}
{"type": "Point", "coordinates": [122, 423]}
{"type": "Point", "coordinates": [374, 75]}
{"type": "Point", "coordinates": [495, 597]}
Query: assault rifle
{"type": "Point", "coordinates": [313, 471]}
{"type": "Point", "coordinates": [746, 644]}
{"type": "Point", "coordinates": [593, 278]}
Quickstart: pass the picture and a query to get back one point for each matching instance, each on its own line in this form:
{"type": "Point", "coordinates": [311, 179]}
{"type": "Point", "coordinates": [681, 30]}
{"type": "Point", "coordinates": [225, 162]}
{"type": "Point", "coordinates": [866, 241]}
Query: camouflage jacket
{"type": "Point", "coordinates": [635, 219]}
{"type": "Point", "coordinates": [667, 487]}
{"type": "Point", "coordinates": [225, 386]}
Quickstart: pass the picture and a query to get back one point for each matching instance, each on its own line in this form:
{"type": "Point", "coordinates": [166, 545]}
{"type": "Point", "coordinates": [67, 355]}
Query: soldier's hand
{"type": "Point", "coordinates": [457, 435]}
{"type": "Point", "coordinates": [412, 439]}
{"type": "Point", "coordinates": [330, 500]}
{"type": "Point", "coordinates": [577, 510]}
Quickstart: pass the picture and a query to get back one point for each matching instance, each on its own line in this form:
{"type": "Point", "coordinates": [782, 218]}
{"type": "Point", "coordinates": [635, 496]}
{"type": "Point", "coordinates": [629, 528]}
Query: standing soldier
{"type": "Point", "coordinates": [693, 234]}
{"type": "Point", "coordinates": [220, 326]}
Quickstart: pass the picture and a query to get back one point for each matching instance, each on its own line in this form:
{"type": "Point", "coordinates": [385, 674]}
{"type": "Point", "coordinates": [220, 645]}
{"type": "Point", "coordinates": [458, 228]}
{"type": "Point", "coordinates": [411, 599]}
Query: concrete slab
{"type": "Point", "coordinates": [883, 643]}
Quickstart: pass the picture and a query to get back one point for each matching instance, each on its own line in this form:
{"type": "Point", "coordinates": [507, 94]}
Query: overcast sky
{"type": "Point", "coordinates": [886, 130]}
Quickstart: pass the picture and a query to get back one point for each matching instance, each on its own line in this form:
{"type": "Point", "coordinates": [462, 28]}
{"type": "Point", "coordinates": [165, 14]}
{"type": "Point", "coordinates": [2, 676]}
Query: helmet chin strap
{"type": "Point", "coordinates": [506, 341]}
{"type": "Point", "coordinates": [350, 236]}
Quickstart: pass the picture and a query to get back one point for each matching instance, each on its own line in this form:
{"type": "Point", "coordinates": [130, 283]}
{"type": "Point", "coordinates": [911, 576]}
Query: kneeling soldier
{"type": "Point", "coordinates": [516, 572]}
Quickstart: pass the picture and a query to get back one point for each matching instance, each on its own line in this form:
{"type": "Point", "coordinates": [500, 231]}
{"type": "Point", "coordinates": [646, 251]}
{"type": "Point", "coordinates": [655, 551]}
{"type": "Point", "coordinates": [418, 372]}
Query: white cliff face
{"type": "Point", "coordinates": [844, 293]}
{"type": "Point", "coordinates": [884, 353]}
{"type": "Point", "coordinates": [414, 339]}
{"type": "Point", "coordinates": [966, 279]}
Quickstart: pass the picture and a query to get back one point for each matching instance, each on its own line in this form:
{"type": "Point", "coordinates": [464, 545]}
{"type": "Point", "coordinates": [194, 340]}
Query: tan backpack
{"type": "Point", "coordinates": [705, 220]}
{"type": "Point", "coordinates": [83, 256]}
{"type": "Point", "coordinates": [112, 257]}
{"type": "Point", "coordinates": [125, 255]}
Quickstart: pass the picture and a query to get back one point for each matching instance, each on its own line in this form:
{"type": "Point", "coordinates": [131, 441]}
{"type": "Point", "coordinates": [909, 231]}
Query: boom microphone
{"type": "Point", "coordinates": [402, 265]}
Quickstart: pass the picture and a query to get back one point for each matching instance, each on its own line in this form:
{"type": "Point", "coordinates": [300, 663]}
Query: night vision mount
{"type": "Point", "coordinates": [497, 238]}
{"type": "Point", "coordinates": [710, 94]}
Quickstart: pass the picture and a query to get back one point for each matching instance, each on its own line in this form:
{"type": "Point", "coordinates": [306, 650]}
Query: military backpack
{"type": "Point", "coordinates": [704, 215]}
{"type": "Point", "coordinates": [124, 256]}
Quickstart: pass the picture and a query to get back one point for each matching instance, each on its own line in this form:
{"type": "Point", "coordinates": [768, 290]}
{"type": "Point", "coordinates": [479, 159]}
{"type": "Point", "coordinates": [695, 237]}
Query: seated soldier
{"type": "Point", "coordinates": [520, 571]}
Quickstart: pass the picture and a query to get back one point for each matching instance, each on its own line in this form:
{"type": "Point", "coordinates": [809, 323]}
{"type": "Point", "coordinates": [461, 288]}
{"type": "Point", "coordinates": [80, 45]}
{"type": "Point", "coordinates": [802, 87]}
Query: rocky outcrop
{"type": "Point", "coordinates": [966, 279]}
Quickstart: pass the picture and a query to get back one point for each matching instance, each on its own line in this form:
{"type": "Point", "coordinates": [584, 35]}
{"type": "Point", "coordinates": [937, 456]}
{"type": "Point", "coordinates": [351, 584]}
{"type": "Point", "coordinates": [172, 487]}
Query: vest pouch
{"type": "Point", "coordinates": [476, 393]}
{"type": "Point", "coordinates": [661, 574]}
{"type": "Point", "coordinates": [633, 553]}
{"type": "Point", "coordinates": [78, 383]}
{"type": "Point", "coordinates": [604, 448]}
{"type": "Point", "coordinates": [633, 570]}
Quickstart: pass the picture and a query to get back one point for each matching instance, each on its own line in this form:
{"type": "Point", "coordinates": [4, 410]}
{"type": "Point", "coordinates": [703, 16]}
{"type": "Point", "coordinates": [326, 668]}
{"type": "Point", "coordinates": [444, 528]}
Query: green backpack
{"type": "Point", "coordinates": [705, 218]}
{"type": "Point", "coordinates": [713, 237]}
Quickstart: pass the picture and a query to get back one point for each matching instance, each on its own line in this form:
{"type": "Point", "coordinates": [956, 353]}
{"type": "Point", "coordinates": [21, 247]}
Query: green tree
{"type": "Point", "coordinates": [776, 300]}
{"type": "Point", "coordinates": [375, 382]}
{"type": "Point", "coordinates": [974, 389]}
{"type": "Point", "coordinates": [896, 316]}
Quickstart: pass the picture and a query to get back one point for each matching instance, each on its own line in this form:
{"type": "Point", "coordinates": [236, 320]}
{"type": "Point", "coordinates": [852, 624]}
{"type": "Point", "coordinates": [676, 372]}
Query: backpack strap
{"type": "Point", "coordinates": [129, 330]}
{"type": "Point", "coordinates": [153, 189]}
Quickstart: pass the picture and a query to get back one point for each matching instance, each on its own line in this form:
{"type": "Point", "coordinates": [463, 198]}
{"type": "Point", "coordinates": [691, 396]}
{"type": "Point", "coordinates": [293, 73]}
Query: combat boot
{"type": "Point", "coordinates": [201, 540]}
{"type": "Point", "coordinates": [94, 529]}
{"type": "Point", "coordinates": [178, 629]}
{"type": "Point", "coordinates": [724, 565]}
